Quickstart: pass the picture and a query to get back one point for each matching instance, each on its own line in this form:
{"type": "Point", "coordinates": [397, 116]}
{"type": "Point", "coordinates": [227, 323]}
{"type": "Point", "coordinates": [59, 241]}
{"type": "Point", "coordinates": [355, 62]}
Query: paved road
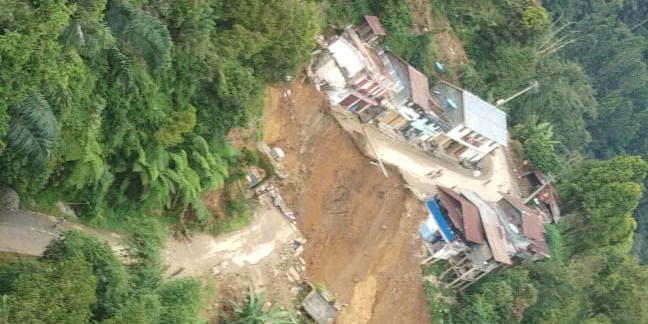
{"type": "Point", "coordinates": [29, 233]}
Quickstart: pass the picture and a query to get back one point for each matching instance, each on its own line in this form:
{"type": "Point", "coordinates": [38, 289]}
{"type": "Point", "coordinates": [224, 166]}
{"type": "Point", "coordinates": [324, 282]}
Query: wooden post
{"type": "Point", "coordinates": [479, 277]}
{"type": "Point", "coordinates": [462, 277]}
{"type": "Point", "coordinates": [375, 153]}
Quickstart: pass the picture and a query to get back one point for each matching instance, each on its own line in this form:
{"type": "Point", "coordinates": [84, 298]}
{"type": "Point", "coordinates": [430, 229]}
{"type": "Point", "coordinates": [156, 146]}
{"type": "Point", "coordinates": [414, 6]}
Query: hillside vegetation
{"type": "Point", "coordinates": [122, 107]}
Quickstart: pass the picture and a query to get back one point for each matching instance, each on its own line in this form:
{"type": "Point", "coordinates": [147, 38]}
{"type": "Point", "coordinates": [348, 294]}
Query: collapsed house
{"type": "Point", "coordinates": [356, 73]}
{"type": "Point", "coordinates": [540, 191]}
{"type": "Point", "coordinates": [475, 237]}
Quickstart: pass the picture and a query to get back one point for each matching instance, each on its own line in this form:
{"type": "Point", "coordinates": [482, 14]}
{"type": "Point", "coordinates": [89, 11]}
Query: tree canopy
{"type": "Point", "coordinates": [78, 279]}
{"type": "Point", "coordinates": [126, 104]}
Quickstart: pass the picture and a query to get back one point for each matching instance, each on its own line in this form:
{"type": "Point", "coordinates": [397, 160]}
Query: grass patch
{"type": "Point", "coordinates": [439, 299]}
{"type": "Point", "coordinates": [231, 224]}
{"type": "Point", "coordinates": [9, 257]}
{"type": "Point", "coordinates": [43, 202]}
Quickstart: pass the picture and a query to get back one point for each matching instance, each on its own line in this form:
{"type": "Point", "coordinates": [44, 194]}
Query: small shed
{"type": "Point", "coordinates": [319, 308]}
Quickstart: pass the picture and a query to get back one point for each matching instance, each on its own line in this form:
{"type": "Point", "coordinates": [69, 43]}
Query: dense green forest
{"type": "Point", "coordinates": [79, 280]}
{"type": "Point", "coordinates": [122, 107]}
{"type": "Point", "coordinates": [589, 58]}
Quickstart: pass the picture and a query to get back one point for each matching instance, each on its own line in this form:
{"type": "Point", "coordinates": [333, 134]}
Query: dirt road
{"type": "Point", "coordinates": [361, 227]}
{"type": "Point", "coordinates": [259, 255]}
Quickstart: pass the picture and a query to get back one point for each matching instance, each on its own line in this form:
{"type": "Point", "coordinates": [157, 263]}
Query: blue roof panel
{"type": "Point", "coordinates": [438, 216]}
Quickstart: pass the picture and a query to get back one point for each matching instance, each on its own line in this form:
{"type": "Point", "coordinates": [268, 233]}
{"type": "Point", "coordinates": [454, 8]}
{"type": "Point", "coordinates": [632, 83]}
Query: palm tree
{"type": "Point", "coordinates": [139, 33]}
{"type": "Point", "coordinates": [534, 130]}
{"type": "Point", "coordinates": [33, 130]}
{"type": "Point", "coordinates": [252, 312]}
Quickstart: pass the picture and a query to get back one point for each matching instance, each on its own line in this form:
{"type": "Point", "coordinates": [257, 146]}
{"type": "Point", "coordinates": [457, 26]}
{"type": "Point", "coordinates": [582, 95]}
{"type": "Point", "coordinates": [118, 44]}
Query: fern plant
{"type": "Point", "coordinates": [33, 130]}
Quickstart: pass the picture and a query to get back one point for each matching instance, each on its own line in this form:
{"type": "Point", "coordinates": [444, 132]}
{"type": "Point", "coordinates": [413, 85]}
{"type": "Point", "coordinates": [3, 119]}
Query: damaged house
{"type": "Point", "coordinates": [352, 72]}
{"type": "Point", "coordinates": [475, 237]}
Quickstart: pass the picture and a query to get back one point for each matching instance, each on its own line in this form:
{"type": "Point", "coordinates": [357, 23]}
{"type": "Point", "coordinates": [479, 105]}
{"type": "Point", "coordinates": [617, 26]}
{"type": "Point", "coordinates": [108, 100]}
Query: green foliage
{"type": "Point", "coordinates": [618, 66]}
{"type": "Point", "coordinates": [79, 280]}
{"type": "Point", "coordinates": [478, 310]}
{"type": "Point", "coordinates": [503, 298]}
{"type": "Point", "coordinates": [501, 38]}
{"type": "Point", "coordinates": [543, 156]}
{"type": "Point", "coordinates": [180, 301]}
{"type": "Point", "coordinates": [251, 157]}
{"type": "Point", "coordinates": [60, 292]}
{"type": "Point", "coordinates": [179, 123]}
{"type": "Point", "coordinates": [144, 246]}
{"type": "Point", "coordinates": [534, 130]}
{"type": "Point", "coordinates": [565, 99]}
{"type": "Point", "coordinates": [139, 33]}
{"type": "Point", "coordinates": [286, 29]}
{"type": "Point", "coordinates": [112, 280]}
{"type": "Point", "coordinates": [144, 94]}
{"type": "Point", "coordinates": [603, 195]}
{"type": "Point", "coordinates": [341, 13]}
{"type": "Point", "coordinates": [33, 130]}
{"type": "Point", "coordinates": [253, 313]}
{"type": "Point", "coordinates": [436, 296]}
{"type": "Point", "coordinates": [25, 28]}
{"type": "Point", "coordinates": [538, 144]}
{"type": "Point", "coordinates": [398, 19]}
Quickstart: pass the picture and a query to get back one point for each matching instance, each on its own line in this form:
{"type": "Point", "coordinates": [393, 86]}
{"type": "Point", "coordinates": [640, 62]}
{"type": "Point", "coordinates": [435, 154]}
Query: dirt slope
{"type": "Point", "coordinates": [361, 227]}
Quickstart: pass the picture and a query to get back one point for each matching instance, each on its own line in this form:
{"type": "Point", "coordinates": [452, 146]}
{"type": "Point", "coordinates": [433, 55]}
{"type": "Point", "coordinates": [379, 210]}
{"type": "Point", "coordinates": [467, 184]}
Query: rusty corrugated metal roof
{"type": "Point", "coordinates": [471, 224]}
{"type": "Point", "coordinates": [375, 25]}
{"type": "Point", "coordinates": [532, 226]}
{"type": "Point", "coordinates": [420, 87]}
{"type": "Point", "coordinates": [531, 220]}
{"type": "Point", "coordinates": [495, 233]}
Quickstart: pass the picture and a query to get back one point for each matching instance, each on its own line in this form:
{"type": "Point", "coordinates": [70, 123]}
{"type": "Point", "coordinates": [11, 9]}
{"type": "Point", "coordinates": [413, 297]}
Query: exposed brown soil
{"type": "Point", "coordinates": [361, 227]}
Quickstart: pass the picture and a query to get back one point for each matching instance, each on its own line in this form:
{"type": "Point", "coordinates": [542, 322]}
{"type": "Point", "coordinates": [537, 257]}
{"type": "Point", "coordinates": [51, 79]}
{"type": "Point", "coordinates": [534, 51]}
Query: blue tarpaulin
{"type": "Point", "coordinates": [438, 216]}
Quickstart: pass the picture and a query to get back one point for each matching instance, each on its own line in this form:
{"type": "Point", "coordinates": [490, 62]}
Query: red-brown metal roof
{"type": "Point", "coordinates": [471, 224]}
{"type": "Point", "coordinates": [454, 209]}
{"type": "Point", "coordinates": [375, 25]}
{"type": "Point", "coordinates": [532, 226]}
{"type": "Point", "coordinates": [531, 221]}
{"type": "Point", "coordinates": [420, 87]}
{"type": "Point", "coordinates": [495, 233]}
